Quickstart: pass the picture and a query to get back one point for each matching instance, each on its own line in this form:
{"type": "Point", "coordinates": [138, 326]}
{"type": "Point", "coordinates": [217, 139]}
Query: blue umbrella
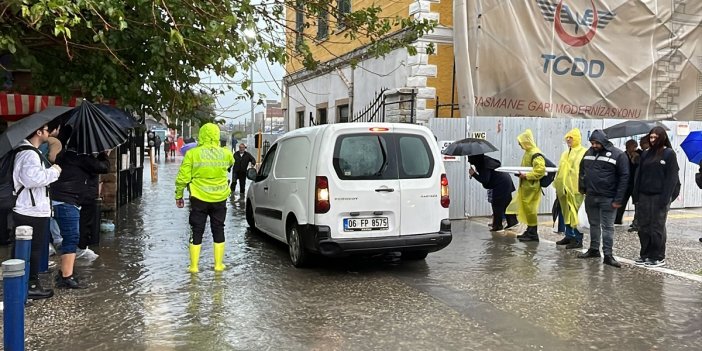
{"type": "Point", "coordinates": [187, 147]}
{"type": "Point", "coordinates": [692, 145]}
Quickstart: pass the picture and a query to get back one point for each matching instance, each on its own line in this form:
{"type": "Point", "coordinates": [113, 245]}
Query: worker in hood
{"type": "Point", "coordinates": [529, 191]}
{"type": "Point", "coordinates": [566, 184]}
{"type": "Point", "coordinates": [205, 171]}
{"type": "Point", "coordinates": [604, 176]}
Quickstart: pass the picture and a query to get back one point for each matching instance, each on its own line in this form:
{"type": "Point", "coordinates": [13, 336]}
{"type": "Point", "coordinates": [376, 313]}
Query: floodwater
{"type": "Point", "coordinates": [482, 292]}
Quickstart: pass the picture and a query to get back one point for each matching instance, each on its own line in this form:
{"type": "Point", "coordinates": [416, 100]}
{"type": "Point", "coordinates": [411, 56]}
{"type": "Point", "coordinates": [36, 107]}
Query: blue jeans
{"type": "Point", "coordinates": [573, 233]}
{"type": "Point", "coordinates": [68, 218]}
{"type": "Point", "coordinates": [600, 214]}
{"type": "Point", "coordinates": [561, 223]}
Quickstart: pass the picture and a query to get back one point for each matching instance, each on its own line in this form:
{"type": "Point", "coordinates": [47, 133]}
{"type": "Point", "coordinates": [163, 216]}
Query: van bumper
{"type": "Point", "coordinates": [318, 239]}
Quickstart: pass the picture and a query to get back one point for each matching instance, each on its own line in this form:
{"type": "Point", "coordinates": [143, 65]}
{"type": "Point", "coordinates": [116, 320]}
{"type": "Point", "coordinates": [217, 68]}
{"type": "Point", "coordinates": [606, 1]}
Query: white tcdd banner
{"type": "Point", "coordinates": [633, 59]}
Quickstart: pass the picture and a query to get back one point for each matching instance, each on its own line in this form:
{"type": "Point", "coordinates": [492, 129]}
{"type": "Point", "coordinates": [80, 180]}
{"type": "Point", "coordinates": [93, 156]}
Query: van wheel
{"type": "Point", "coordinates": [249, 215]}
{"type": "Point", "coordinates": [415, 255]}
{"type": "Point", "coordinates": [298, 254]}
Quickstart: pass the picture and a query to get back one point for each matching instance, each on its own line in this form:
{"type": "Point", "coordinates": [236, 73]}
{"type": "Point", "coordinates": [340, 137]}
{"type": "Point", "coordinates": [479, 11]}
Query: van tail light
{"type": "Point", "coordinates": [321, 195]}
{"type": "Point", "coordinates": [445, 201]}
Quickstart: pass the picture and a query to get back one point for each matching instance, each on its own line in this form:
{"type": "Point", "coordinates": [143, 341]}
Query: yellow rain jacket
{"type": "Point", "coordinates": [566, 182]}
{"type": "Point", "coordinates": [529, 192]}
{"type": "Point", "coordinates": [205, 168]}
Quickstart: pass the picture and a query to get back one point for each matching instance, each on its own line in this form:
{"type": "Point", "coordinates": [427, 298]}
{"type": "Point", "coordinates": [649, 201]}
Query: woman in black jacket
{"type": "Point", "coordinates": [655, 188]}
{"type": "Point", "coordinates": [501, 186]}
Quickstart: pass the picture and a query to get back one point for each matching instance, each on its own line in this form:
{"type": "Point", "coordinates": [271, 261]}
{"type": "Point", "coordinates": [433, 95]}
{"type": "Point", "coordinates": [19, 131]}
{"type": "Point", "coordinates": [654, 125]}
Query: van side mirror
{"type": "Point", "coordinates": [251, 173]}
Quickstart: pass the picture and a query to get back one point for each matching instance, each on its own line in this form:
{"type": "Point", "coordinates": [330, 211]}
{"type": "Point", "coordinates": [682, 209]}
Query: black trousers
{"type": "Point", "coordinates": [89, 226]}
{"type": "Point", "coordinates": [40, 226]}
{"type": "Point", "coordinates": [5, 230]}
{"type": "Point", "coordinates": [499, 206]}
{"type": "Point", "coordinates": [199, 211]}
{"type": "Point", "coordinates": [239, 176]}
{"type": "Point", "coordinates": [652, 214]}
{"type": "Point", "coordinates": [620, 211]}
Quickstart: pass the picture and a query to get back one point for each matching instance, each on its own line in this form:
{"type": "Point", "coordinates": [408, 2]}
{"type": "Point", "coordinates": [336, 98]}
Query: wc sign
{"type": "Point", "coordinates": [478, 135]}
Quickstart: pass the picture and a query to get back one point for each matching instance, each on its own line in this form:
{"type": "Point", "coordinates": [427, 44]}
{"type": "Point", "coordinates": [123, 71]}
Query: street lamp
{"type": "Point", "coordinates": [250, 35]}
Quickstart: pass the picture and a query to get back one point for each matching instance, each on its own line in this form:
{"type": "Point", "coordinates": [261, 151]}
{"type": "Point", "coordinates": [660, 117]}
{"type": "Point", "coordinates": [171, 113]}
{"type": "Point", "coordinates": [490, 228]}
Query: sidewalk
{"type": "Point", "coordinates": [683, 250]}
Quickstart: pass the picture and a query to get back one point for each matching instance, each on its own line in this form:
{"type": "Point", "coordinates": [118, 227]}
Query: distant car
{"type": "Point", "coordinates": [352, 188]}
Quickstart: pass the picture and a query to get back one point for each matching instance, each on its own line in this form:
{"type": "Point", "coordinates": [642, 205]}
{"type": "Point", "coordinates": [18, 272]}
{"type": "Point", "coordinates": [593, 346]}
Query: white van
{"type": "Point", "coordinates": [352, 188]}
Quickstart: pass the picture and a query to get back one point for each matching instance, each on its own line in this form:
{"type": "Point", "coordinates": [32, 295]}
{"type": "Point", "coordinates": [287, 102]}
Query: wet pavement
{"type": "Point", "coordinates": [483, 292]}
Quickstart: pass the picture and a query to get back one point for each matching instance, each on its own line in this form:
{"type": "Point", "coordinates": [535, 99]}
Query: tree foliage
{"type": "Point", "coordinates": [149, 55]}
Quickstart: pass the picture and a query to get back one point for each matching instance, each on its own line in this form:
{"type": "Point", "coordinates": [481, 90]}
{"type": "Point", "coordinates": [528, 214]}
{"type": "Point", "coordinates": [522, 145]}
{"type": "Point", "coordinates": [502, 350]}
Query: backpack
{"type": "Point", "coordinates": [548, 178]}
{"type": "Point", "coordinates": [7, 184]}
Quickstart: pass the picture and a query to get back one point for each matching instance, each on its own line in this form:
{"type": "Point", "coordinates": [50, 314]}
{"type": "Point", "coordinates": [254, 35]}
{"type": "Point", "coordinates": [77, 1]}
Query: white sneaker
{"type": "Point", "coordinates": [52, 251]}
{"type": "Point", "coordinates": [86, 254]}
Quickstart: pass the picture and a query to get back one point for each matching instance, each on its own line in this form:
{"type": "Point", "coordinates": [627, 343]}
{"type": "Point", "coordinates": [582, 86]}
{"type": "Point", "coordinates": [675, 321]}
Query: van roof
{"type": "Point", "coordinates": [350, 126]}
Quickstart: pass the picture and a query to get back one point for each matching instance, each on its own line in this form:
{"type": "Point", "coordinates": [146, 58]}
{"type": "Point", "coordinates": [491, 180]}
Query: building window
{"type": "Point", "coordinates": [300, 119]}
{"type": "Point", "coordinates": [321, 116]}
{"type": "Point", "coordinates": [299, 23]}
{"type": "Point", "coordinates": [343, 8]}
{"type": "Point", "coordinates": [343, 113]}
{"type": "Point", "coordinates": [323, 24]}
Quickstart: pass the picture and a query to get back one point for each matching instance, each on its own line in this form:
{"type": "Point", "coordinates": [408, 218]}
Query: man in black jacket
{"type": "Point", "coordinates": [88, 202]}
{"type": "Point", "coordinates": [604, 176]}
{"type": "Point", "coordinates": [242, 159]}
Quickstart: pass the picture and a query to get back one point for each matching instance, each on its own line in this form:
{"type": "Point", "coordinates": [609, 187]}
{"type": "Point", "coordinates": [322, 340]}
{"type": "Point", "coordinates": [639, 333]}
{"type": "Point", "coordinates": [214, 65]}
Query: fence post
{"type": "Point", "coordinates": [13, 274]}
{"type": "Point", "coordinates": [23, 250]}
{"type": "Point", "coordinates": [436, 107]}
{"type": "Point", "coordinates": [412, 114]}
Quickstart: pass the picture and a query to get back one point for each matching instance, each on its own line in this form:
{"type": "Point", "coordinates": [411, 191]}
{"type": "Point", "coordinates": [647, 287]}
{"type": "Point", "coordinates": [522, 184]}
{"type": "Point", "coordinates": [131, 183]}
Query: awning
{"type": "Point", "coordinates": [15, 106]}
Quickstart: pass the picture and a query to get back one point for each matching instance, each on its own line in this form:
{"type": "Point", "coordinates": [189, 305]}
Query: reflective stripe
{"type": "Point", "coordinates": [605, 159]}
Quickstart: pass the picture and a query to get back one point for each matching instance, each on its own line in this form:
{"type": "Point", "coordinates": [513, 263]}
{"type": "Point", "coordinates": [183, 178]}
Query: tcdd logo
{"type": "Point", "coordinates": [591, 19]}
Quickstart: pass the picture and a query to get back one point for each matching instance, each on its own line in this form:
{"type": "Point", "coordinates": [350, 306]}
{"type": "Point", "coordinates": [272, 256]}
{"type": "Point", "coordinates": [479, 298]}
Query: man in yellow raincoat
{"type": "Point", "coordinates": [529, 191]}
{"type": "Point", "coordinates": [205, 171]}
{"type": "Point", "coordinates": [566, 184]}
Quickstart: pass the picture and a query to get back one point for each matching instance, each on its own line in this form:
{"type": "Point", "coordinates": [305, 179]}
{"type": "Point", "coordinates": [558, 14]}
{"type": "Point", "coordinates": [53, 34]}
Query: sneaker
{"type": "Point", "coordinates": [67, 282]}
{"type": "Point", "coordinates": [590, 253]}
{"type": "Point", "coordinates": [564, 241]}
{"type": "Point", "coordinates": [618, 224]}
{"type": "Point", "coordinates": [654, 263]}
{"type": "Point", "coordinates": [633, 229]}
{"type": "Point", "coordinates": [574, 244]}
{"type": "Point", "coordinates": [640, 261]}
{"type": "Point", "coordinates": [52, 251]}
{"type": "Point", "coordinates": [610, 261]}
{"type": "Point", "coordinates": [497, 230]}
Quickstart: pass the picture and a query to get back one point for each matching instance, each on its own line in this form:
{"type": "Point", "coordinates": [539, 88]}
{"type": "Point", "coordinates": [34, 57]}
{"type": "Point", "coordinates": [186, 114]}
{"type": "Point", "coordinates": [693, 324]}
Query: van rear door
{"type": "Point", "coordinates": [364, 187]}
{"type": "Point", "coordinates": [419, 172]}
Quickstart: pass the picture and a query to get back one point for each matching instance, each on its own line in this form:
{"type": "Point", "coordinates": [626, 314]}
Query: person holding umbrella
{"type": "Point", "coordinates": [655, 189]}
{"type": "Point", "coordinates": [501, 186]}
{"type": "Point", "coordinates": [566, 184]}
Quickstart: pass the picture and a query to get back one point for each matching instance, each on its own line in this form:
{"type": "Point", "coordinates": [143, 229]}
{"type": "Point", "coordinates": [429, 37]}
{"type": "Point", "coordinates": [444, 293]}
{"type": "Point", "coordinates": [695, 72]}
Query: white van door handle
{"type": "Point", "coordinates": [386, 190]}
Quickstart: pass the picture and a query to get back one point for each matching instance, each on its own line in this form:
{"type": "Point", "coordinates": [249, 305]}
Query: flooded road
{"type": "Point", "coordinates": [482, 292]}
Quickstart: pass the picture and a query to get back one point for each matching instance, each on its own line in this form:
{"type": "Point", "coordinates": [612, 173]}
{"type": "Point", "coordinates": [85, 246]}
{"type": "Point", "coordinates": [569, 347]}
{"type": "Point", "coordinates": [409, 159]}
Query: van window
{"type": "Point", "coordinates": [365, 156]}
{"type": "Point", "coordinates": [416, 160]}
{"type": "Point", "coordinates": [267, 163]}
{"type": "Point", "coordinates": [293, 158]}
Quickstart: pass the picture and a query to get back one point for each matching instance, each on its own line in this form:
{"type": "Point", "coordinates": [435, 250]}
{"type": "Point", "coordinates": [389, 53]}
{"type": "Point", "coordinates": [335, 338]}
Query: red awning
{"type": "Point", "coordinates": [15, 106]}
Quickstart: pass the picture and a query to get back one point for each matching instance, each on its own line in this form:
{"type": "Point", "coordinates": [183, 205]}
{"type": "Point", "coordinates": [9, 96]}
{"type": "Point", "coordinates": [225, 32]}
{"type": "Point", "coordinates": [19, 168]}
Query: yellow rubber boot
{"type": "Point", "coordinates": [219, 257]}
{"type": "Point", "coordinates": [194, 258]}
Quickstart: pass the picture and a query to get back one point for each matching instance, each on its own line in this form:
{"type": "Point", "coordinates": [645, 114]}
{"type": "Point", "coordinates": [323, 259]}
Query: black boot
{"type": "Point", "coordinates": [610, 261]}
{"type": "Point", "coordinates": [574, 244]}
{"type": "Point", "coordinates": [530, 234]}
{"type": "Point", "coordinates": [565, 241]}
{"type": "Point", "coordinates": [36, 291]}
{"type": "Point", "coordinates": [590, 253]}
{"type": "Point", "coordinates": [511, 221]}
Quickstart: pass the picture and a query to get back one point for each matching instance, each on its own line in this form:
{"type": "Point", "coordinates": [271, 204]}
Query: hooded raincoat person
{"type": "Point", "coordinates": [529, 191]}
{"type": "Point", "coordinates": [205, 172]}
{"type": "Point", "coordinates": [566, 184]}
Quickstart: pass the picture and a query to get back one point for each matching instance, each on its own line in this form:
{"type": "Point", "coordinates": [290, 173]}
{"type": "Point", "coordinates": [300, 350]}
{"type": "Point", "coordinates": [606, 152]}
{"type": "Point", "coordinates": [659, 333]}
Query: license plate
{"type": "Point", "coordinates": [364, 224]}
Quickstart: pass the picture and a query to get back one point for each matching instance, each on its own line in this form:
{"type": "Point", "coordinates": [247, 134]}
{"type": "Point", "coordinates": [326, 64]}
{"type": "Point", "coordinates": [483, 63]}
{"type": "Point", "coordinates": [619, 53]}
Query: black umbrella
{"type": "Point", "coordinates": [121, 118]}
{"type": "Point", "coordinates": [19, 130]}
{"type": "Point", "coordinates": [631, 128]}
{"type": "Point", "coordinates": [92, 131]}
{"type": "Point", "coordinates": [469, 147]}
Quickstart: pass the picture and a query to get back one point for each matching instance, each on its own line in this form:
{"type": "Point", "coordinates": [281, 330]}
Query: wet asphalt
{"type": "Point", "coordinates": [483, 292]}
